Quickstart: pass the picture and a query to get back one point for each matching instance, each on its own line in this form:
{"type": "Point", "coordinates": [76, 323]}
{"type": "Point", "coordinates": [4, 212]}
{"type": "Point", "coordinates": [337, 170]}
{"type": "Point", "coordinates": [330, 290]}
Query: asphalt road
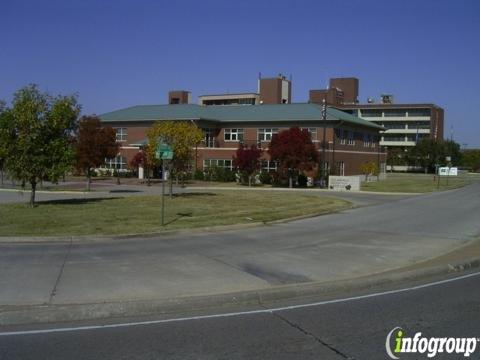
{"type": "Point", "coordinates": [354, 329]}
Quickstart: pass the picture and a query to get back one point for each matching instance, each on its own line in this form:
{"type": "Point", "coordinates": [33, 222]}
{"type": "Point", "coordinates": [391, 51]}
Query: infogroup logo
{"type": "Point", "coordinates": [398, 343]}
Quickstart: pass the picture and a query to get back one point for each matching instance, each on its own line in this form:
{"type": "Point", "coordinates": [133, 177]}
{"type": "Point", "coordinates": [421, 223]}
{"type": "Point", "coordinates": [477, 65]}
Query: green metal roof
{"type": "Point", "coordinates": [153, 112]}
{"type": "Point", "coordinates": [234, 113]}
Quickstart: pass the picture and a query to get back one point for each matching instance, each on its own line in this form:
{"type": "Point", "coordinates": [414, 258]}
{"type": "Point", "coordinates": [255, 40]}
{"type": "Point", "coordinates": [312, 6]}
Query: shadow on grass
{"type": "Point", "coordinates": [180, 215]}
{"type": "Point", "coordinates": [72, 201]}
{"type": "Point", "coordinates": [124, 191]}
{"type": "Point", "coordinates": [193, 194]}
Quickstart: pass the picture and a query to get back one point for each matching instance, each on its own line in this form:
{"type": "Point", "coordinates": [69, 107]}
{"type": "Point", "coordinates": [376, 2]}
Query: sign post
{"type": "Point", "coordinates": [163, 152]}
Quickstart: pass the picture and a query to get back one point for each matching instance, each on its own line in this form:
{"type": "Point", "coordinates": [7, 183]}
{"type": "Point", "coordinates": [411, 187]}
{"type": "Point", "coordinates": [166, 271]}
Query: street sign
{"type": "Point", "coordinates": [448, 171]}
{"type": "Point", "coordinates": [164, 152]}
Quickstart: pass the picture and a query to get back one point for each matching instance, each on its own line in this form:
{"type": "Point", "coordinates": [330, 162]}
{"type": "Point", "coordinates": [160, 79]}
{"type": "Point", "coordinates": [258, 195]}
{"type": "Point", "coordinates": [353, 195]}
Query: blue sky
{"type": "Point", "coordinates": [119, 53]}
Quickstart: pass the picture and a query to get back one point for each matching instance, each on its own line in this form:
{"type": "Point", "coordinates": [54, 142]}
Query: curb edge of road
{"type": "Point", "coordinates": [44, 314]}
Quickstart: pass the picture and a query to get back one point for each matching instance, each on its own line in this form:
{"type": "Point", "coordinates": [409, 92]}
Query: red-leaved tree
{"type": "Point", "coordinates": [93, 144]}
{"type": "Point", "coordinates": [141, 160]}
{"type": "Point", "coordinates": [247, 161]}
{"type": "Point", "coordinates": [294, 150]}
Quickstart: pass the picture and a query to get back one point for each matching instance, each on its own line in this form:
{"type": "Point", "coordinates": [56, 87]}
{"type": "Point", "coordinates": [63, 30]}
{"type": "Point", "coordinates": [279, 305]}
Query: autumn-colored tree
{"type": "Point", "coordinates": [141, 160]}
{"type": "Point", "coordinates": [369, 168]}
{"type": "Point", "coordinates": [247, 161]}
{"type": "Point", "coordinates": [182, 136]}
{"type": "Point", "coordinates": [36, 136]}
{"type": "Point", "coordinates": [294, 150]}
{"type": "Point", "coordinates": [93, 144]}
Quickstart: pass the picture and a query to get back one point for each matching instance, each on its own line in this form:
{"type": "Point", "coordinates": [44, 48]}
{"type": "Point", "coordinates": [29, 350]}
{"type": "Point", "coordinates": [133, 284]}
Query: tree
{"type": "Point", "coordinates": [369, 168]}
{"type": "Point", "coordinates": [247, 161]}
{"type": "Point", "coordinates": [37, 135]}
{"type": "Point", "coordinates": [294, 150]}
{"type": "Point", "coordinates": [93, 145]}
{"type": "Point", "coordinates": [141, 160]}
{"type": "Point", "coordinates": [471, 159]}
{"type": "Point", "coordinates": [431, 152]}
{"type": "Point", "coordinates": [3, 149]}
{"type": "Point", "coordinates": [182, 136]}
{"type": "Point", "coordinates": [396, 156]}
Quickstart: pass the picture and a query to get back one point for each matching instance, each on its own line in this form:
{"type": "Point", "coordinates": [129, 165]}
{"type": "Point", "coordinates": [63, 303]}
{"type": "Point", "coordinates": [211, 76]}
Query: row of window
{"type": "Point", "coordinates": [117, 163]}
{"type": "Point", "coordinates": [392, 112]}
{"type": "Point", "coordinates": [120, 163]}
{"type": "Point", "coordinates": [405, 125]}
{"type": "Point", "coordinates": [348, 137]}
{"type": "Point", "coordinates": [265, 134]}
{"type": "Point", "coordinates": [269, 166]}
{"type": "Point", "coordinates": [266, 165]}
{"type": "Point", "coordinates": [413, 137]}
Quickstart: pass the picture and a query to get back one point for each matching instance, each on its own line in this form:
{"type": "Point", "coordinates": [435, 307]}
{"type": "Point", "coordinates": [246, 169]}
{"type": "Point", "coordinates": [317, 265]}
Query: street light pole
{"type": "Point", "coordinates": [324, 120]}
{"type": "Point", "coordinates": [163, 192]}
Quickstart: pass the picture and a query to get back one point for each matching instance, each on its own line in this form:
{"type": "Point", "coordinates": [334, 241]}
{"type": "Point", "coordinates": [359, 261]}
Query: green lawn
{"type": "Point", "coordinates": [141, 214]}
{"type": "Point", "coordinates": [416, 183]}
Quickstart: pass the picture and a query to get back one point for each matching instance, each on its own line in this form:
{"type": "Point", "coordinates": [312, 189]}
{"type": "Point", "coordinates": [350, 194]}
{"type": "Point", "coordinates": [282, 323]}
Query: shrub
{"type": "Point", "coordinates": [265, 178]}
{"type": "Point", "coordinates": [215, 173]}
{"type": "Point", "coordinates": [198, 175]}
{"type": "Point", "coordinates": [302, 180]}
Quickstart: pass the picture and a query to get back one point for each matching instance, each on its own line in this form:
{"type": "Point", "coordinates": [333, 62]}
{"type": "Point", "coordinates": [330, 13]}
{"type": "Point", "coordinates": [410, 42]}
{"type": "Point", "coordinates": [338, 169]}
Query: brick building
{"type": "Point", "coordinates": [350, 140]}
{"type": "Point", "coordinates": [405, 124]}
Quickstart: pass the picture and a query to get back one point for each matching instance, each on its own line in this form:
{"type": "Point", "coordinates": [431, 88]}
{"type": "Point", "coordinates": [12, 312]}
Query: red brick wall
{"type": "Point", "coordinates": [352, 155]}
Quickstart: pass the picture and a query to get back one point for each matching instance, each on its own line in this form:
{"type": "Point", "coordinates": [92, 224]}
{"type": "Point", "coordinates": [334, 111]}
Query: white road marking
{"type": "Point", "coordinates": [240, 313]}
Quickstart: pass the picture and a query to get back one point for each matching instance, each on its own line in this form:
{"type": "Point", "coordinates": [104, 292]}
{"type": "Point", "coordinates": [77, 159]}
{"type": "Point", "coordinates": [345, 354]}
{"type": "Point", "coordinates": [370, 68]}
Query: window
{"type": "Point", "coordinates": [372, 113]}
{"type": "Point", "coordinates": [269, 165]}
{"type": "Point", "coordinates": [418, 112]}
{"type": "Point", "coordinates": [121, 134]}
{"type": "Point", "coordinates": [117, 163]}
{"type": "Point", "coordinates": [341, 136]}
{"type": "Point", "coordinates": [341, 168]}
{"type": "Point", "coordinates": [247, 101]}
{"type": "Point", "coordinates": [313, 132]}
{"type": "Point", "coordinates": [233, 135]}
{"type": "Point", "coordinates": [209, 137]}
{"type": "Point", "coordinates": [394, 138]}
{"type": "Point", "coordinates": [266, 134]}
{"type": "Point", "coordinates": [394, 125]}
{"type": "Point", "coordinates": [226, 164]}
{"type": "Point", "coordinates": [419, 125]}
{"type": "Point", "coordinates": [395, 113]}
{"type": "Point", "coordinates": [351, 138]}
{"type": "Point", "coordinates": [366, 140]}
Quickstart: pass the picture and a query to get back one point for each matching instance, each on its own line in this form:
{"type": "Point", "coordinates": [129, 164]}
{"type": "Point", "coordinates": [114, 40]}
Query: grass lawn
{"type": "Point", "coordinates": [141, 214]}
{"type": "Point", "coordinates": [416, 183]}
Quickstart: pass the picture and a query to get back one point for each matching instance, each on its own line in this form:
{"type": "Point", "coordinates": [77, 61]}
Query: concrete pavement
{"type": "Point", "coordinates": [335, 247]}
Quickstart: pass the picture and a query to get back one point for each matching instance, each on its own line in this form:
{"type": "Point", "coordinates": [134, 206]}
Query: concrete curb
{"type": "Point", "coordinates": [38, 314]}
{"type": "Point", "coordinates": [327, 191]}
{"type": "Point", "coordinates": [69, 192]}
